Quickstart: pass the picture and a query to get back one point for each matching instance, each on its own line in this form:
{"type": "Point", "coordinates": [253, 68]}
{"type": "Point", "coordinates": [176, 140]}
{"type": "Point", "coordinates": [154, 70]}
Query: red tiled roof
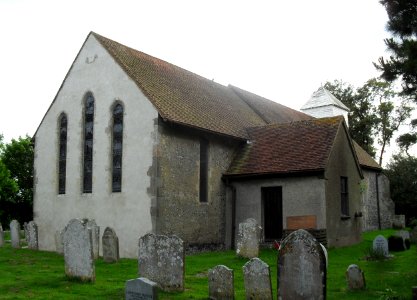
{"type": "Point", "coordinates": [186, 98]}
{"type": "Point", "coordinates": [302, 146]}
{"type": "Point", "coordinates": [365, 160]}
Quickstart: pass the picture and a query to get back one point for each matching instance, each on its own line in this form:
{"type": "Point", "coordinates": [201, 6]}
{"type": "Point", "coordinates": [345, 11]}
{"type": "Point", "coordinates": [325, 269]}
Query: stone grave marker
{"type": "Point", "coordinates": [161, 259]}
{"type": "Point", "coordinates": [413, 235]}
{"type": "Point", "coordinates": [25, 230]}
{"type": "Point", "coordinates": [59, 241]}
{"type": "Point", "coordinates": [301, 267]}
{"type": "Point", "coordinates": [95, 235]}
{"type": "Point", "coordinates": [355, 278]}
{"type": "Point", "coordinates": [380, 245]}
{"type": "Point", "coordinates": [110, 244]}
{"type": "Point", "coordinates": [325, 254]}
{"type": "Point", "coordinates": [141, 289]}
{"type": "Point", "coordinates": [32, 235]}
{"type": "Point", "coordinates": [15, 233]}
{"type": "Point", "coordinates": [248, 238]}
{"type": "Point", "coordinates": [405, 235]}
{"type": "Point", "coordinates": [1, 236]}
{"type": "Point", "coordinates": [257, 280]}
{"type": "Point", "coordinates": [220, 282]}
{"type": "Point", "coordinates": [78, 251]}
{"type": "Point", "coordinates": [398, 222]}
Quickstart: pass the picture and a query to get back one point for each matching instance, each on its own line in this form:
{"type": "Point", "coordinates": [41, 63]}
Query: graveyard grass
{"type": "Point", "coordinates": [27, 274]}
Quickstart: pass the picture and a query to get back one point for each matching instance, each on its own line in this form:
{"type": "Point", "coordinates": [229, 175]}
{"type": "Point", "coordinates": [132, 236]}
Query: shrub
{"type": "Point", "coordinates": [396, 243]}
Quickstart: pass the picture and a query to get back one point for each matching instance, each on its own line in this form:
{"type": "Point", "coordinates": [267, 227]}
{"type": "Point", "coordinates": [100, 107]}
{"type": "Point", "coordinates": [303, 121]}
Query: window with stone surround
{"type": "Point", "coordinates": [62, 156]}
{"type": "Point", "coordinates": [88, 143]}
{"type": "Point", "coordinates": [117, 148]}
{"type": "Point", "coordinates": [344, 196]}
{"type": "Point", "coordinates": [203, 170]}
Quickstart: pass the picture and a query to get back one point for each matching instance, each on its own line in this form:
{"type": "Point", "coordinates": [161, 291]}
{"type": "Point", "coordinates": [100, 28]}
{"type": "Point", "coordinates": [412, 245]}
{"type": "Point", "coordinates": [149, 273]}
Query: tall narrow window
{"type": "Point", "coordinates": [88, 143]}
{"type": "Point", "coordinates": [344, 196]}
{"type": "Point", "coordinates": [203, 170]}
{"type": "Point", "coordinates": [62, 157]}
{"type": "Point", "coordinates": [117, 148]}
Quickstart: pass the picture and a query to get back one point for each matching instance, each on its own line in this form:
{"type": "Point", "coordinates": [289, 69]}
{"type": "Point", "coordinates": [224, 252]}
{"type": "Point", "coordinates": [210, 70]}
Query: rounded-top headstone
{"type": "Point", "coordinates": [380, 245]}
{"type": "Point", "coordinates": [15, 233]}
{"type": "Point", "coordinates": [110, 243]}
{"type": "Point", "coordinates": [248, 238]}
{"type": "Point", "coordinates": [257, 279]}
{"type": "Point", "coordinates": [220, 281]}
{"type": "Point", "coordinates": [355, 278]}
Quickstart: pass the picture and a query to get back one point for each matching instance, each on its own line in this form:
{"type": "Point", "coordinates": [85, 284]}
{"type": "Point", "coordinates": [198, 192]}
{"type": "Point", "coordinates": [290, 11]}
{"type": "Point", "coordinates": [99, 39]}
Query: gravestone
{"type": "Point", "coordinates": [32, 235]}
{"type": "Point", "coordinates": [355, 278]}
{"type": "Point", "coordinates": [301, 267]}
{"type": "Point", "coordinates": [380, 246]}
{"type": "Point", "coordinates": [405, 235]}
{"type": "Point", "coordinates": [220, 281]}
{"type": "Point", "coordinates": [15, 233]}
{"type": "Point", "coordinates": [398, 222]}
{"type": "Point", "coordinates": [1, 236]}
{"type": "Point", "coordinates": [59, 241]}
{"type": "Point", "coordinates": [161, 259]}
{"type": "Point", "coordinates": [248, 238]}
{"type": "Point", "coordinates": [413, 235]}
{"type": "Point", "coordinates": [78, 251]}
{"type": "Point", "coordinates": [110, 243]}
{"type": "Point", "coordinates": [141, 289]}
{"type": "Point", "coordinates": [325, 254]}
{"type": "Point", "coordinates": [25, 230]}
{"type": "Point", "coordinates": [95, 235]}
{"type": "Point", "coordinates": [257, 280]}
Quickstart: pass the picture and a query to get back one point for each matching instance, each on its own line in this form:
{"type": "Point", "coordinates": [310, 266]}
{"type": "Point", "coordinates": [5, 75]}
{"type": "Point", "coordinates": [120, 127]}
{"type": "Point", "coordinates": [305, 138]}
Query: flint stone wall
{"type": "Point", "coordinates": [78, 251]}
{"type": "Point", "coordinates": [220, 281]}
{"type": "Point", "coordinates": [248, 238]}
{"type": "Point", "coordinates": [257, 280]}
{"type": "Point", "coordinates": [301, 267]}
{"type": "Point", "coordinates": [15, 233]}
{"type": "Point", "coordinates": [161, 259]}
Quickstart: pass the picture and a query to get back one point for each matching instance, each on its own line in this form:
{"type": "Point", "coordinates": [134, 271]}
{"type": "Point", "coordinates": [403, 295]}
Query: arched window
{"type": "Point", "coordinates": [62, 157]}
{"type": "Point", "coordinates": [88, 143]}
{"type": "Point", "coordinates": [117, 148]}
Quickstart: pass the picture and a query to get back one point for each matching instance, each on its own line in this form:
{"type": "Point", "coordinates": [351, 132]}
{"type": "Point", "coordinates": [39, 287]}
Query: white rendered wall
{"type": "Point", "coordinates": [128, 212]}
{"type": "Point", "coordinates": [326, 111]}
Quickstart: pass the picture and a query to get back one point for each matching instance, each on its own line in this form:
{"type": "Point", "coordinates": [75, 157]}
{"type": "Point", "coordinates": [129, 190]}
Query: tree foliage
{"type": "Point", "coordinates": [402, 63]}
{"type": "Point", "coordinates": [402, 173]}
{"type": "Point", "coordinates": [16, 164]}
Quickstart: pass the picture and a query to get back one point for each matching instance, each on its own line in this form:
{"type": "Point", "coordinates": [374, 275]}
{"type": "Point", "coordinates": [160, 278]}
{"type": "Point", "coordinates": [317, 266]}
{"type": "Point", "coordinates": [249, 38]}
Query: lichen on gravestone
{"type": "Point", "coordinates": [220, 281]}
{"type": "Point", "coordinates": [248, 238]}
{"type": "Point", "coordinates": [257, 279]}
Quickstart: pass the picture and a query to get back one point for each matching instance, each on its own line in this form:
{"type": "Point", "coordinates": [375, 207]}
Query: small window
{"type": "Point", "coordinates": [117, 148]}
{"type": "Point", "coordinates": [88, 143]}
{"type": "Point", "coordinates": [203, 170]}
{"type": "Point", "coordinates": [62, 157]}
{"type": "Point", "coordinates": [344, 195]}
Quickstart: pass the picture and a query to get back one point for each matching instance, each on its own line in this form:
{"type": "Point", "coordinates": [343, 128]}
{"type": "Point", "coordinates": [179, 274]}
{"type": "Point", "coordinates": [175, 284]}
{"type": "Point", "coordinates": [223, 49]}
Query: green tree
{"type": "Point", "coordinates": [17, 156]}
{"type": "Point", "coordinates": [402, 173]}
{"type": "Point", "coordinates": [402, 63]}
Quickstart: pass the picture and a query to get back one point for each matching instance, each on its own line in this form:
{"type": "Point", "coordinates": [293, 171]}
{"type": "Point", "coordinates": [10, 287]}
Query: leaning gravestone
{"type": "Point", "coordinates": [141, 289]}
{"type": "Point", "coordinates": [301, 267]}
{"type": "Point", "coordinates": [161, 259]}
{"type": "Point", "coordinates": [355, 278]}
{"type": "Point", "coordinates": [59, 241]}
{"type": "Point", "coordinates": [32, 235]}
{"type": "Point", "coordinates": [257, 280]}
{"type": "Point", "coordinates": [95, 235]}
{"type": "Point", "coordinates": [220, 281]}
{"type": "Point", "coordinates": [110, 243]}
{"type": "Point", "coordinates": [78, 251]}
{"type": "Point", "coordinates": [380, 246]}
{"type": "Point", "coordinates": [15, 233]}
{"type": "Point", "coordinates": [1, 236]}
{"type": "Point", "coordinates": [248, 238]}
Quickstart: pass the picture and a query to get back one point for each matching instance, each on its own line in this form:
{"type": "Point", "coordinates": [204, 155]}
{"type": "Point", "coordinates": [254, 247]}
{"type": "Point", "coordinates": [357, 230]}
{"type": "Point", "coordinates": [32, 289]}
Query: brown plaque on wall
{"type": "Point", "coordinates": [302, 222]}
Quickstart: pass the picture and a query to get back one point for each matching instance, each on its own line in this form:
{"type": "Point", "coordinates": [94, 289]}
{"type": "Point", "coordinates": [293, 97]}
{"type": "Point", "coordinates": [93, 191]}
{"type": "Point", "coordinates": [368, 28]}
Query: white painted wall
{"type": "Point", "coordinates": [326, 111]}
{"type": "Point", "coordinates": [127, 212]}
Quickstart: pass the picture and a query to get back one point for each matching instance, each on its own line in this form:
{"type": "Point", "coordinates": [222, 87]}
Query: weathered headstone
{"type": "Point", "coordinates": [355, 278]}
{"type": "Point", "coordinates": [141, 289]}
{"type": "Point", "coordinates": [301, 267]}
{"type": "Point", "coordinates": [32, 235]}
{"type": "Point", "coordinates": [78, 251]}
{"type": "Point", "coordinates": [398, 222]}
{"type": "Point", "coordinates": [413, 235]}
{"type": "Point", "coordinates": [25, 230]}
{"type": "Point", "coordinates": [248, 238]}
{"type": "Point", "coordinates": [380, 246]}
{"type": "Point", "coordinates": [405, 235]}
{"type": "Point", "coordinates": [257, 279]}
{"type": "Point", "coordinates": [325, 254]}
{"type": "Point", "coordinates": [59, 241]}
{"type": "Point", "coordinates": [1, 236]}
{"type": "Point", "coordinates": [220, 282]}
{"type": "Point", "coordinates": [95, 235]}
{"type": "Point", "coordinates": [15, 233]}
{"type": "Point", "coordinates": [161, 259]}
{"type": "Point", "coordinates": [110, 243]}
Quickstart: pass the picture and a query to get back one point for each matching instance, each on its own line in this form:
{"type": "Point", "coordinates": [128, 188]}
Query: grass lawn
{"type": "Point", "coordinates": [26, 274]}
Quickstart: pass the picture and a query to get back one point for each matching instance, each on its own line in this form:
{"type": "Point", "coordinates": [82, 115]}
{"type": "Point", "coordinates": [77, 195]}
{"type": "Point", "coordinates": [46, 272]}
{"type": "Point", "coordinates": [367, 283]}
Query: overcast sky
{"type": "Point", "coordinates": [282, 50]}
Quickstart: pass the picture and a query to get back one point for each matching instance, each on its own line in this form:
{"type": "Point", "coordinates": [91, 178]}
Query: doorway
{"type": "Point", "coordinates": [272, 212]}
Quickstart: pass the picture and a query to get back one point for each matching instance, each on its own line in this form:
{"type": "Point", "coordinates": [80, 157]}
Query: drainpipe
{"type": "Point", "coordinates": [377, 200]}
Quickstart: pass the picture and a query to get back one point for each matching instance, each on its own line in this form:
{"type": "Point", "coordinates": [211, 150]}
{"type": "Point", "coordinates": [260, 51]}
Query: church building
{"type": "Point", "coordinates": [141, 145]}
